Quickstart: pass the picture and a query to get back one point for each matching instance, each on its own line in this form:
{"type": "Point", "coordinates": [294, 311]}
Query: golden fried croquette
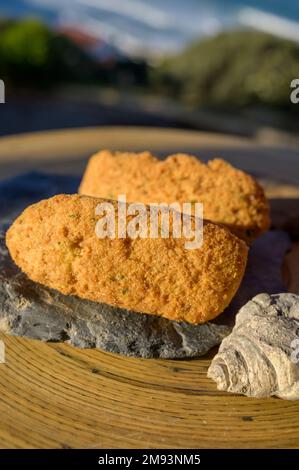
{"type": "Point", "coordinates": [230, 196]}
{"type": "Point", "coordinates": [54, 243]}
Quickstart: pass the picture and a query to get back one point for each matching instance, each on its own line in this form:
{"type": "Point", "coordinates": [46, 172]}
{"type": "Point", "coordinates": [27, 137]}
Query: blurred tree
{"type": "Point", "coordinates": [31, 55]}
{"type": "Point", "coordinates": [231, 70]}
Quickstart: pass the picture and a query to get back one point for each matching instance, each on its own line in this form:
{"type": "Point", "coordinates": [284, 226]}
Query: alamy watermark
{"type": "Point", "coordinates": [2, 92]}
{"type": "Point", "coordinates": [155, 220]}
{"type": "Point", "coordinates": [2, 352]}
{"type": "Point", "coordinates": [295, 351]}
{"type": "Point", "coordinates": [294, 97]}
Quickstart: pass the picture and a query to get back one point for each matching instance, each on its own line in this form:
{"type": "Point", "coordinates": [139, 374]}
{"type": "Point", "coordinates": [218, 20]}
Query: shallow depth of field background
{"type": "Point", "coordinates": [220, 65]}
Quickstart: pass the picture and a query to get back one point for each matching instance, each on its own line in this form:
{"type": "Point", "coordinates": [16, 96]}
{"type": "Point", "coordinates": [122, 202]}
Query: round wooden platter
{"type": "Point", "coordinates": [56, 396]}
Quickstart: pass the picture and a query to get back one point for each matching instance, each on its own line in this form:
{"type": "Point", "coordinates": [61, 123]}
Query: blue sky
{"type": "Point", "coordinates": [156, 26]}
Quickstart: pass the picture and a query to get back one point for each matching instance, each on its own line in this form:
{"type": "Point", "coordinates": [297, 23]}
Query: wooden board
{"type": "Point", "coordinates": [53, 395]}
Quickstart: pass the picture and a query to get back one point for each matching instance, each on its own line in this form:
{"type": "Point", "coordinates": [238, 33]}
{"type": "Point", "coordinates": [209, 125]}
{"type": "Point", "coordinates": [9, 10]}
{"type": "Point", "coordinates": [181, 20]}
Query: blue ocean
{"type": "Point", "coordinates": [152, 27]}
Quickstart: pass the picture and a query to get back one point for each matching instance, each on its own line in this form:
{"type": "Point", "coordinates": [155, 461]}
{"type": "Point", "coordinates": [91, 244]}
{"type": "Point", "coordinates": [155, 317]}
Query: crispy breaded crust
{"type": "Point", "coordinates": [54, 243]}
{"type": "Point", "coordinates": [230, 196]}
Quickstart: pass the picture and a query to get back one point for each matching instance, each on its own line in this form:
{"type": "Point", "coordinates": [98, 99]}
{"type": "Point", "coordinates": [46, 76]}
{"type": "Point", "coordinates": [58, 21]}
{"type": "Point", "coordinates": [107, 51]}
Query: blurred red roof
{"type": "Point", "coordinates": [80, 37]}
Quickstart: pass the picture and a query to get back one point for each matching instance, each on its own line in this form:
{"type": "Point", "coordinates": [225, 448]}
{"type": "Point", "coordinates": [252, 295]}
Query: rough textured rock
{"type": "Point", "coordinates": [29, 309]}
{"type": "Point", "coordinates": [260, 358]}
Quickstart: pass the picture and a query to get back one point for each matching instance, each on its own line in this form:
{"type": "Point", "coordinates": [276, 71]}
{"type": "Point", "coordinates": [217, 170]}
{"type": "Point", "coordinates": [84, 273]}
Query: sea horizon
{"type": "Point", "coordinates": [156, 27]}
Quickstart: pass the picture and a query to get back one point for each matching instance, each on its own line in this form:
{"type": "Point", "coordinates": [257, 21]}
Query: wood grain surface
{"type": "Point", "coordinates": [56, 396]}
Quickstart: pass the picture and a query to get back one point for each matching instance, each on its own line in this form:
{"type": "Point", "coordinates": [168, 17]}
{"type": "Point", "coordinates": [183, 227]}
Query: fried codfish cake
{"type": "Point", "coordinates": [54, 242]}
{"type": "Point", "coordinates": [230, 196]}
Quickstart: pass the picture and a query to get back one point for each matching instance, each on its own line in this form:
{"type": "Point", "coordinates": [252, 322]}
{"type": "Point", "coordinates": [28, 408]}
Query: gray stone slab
{"type": "Point", "coordinates": [31, 310]}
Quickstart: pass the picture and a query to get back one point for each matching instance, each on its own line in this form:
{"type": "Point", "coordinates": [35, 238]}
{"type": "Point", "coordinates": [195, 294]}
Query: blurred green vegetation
{"type": "Point", "coordinates": [31, 55]}
{"type": "Point", "coordinates": [231, 70]}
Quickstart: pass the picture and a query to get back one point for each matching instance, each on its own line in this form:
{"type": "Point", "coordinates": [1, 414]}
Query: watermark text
{"type": "Point", "coordinates": [2, 92]}
{"type": "Point", "coordinates": [2, 352]}
{"type": "Point", "coordinates": [295, 93]}
{"type": "Point", "coordinates": [156, 220]}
